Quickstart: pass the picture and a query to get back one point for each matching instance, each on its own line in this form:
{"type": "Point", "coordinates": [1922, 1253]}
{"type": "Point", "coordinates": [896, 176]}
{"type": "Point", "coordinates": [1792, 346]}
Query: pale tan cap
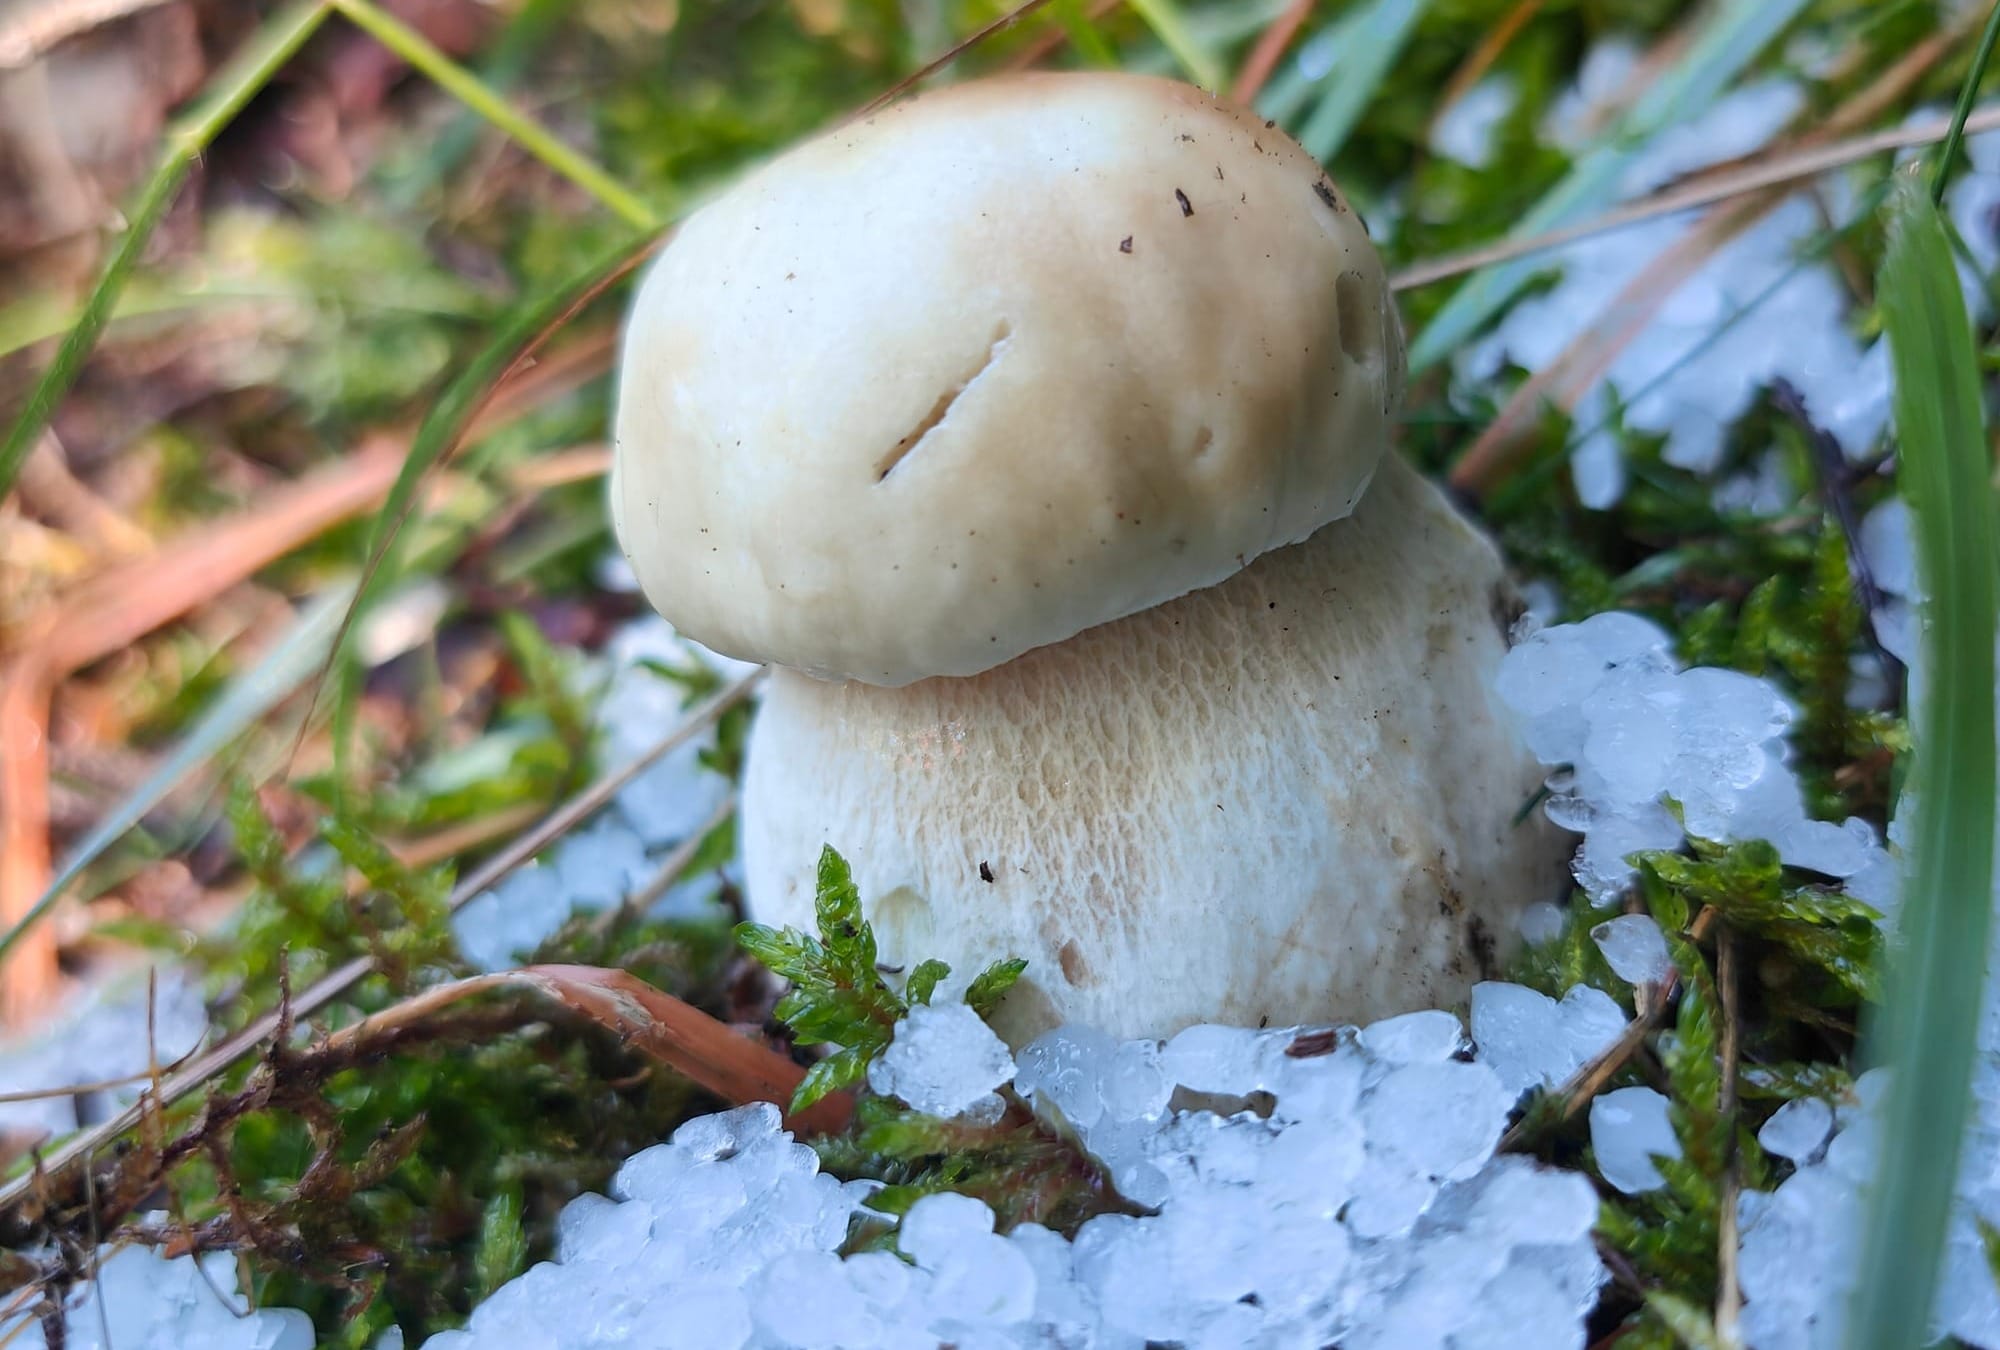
{"type": "Point", "coordinates": [1004, 362]}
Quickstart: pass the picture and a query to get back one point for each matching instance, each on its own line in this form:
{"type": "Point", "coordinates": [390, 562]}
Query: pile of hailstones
{"type": "Point", "coordinates": [1366, 1206]}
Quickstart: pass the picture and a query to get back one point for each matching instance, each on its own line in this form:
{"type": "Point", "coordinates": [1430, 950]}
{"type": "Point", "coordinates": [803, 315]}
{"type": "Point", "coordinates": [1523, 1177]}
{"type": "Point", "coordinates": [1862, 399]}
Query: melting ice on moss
{"type": "Point", "coordinates": [944, 1061]}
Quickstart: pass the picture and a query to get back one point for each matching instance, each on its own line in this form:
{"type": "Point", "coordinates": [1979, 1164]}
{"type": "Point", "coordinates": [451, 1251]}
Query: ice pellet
{"type": "Point", "coordinates": [944, 1061]}
{"type": "Point", "coordinates": [1634, 948]}
{"type": "Point", "coordinates": [1627, 1128]}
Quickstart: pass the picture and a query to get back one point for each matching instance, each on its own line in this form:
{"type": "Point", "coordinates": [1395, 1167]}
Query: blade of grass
{"type": "Point", "coordinates": [1928, 1028]}
{"type": "Point", "coordinates": [246, 699]}
{"type": "Point", "coordinates": [527, 32]}
{"type": "Point", "coordinates": [1966, 93]}
{"type": "Point", "coordinates": [185, 141]}
{"type": "Point", "coordinates": [1170, 26]}
{"type": "Point", "coordinates": [1382, 30]}
{"type": "Point", "coordinates": [1483, 57]}
{"type": "Point", "coordinates": [1732, 38]}
{"type": "Point", "coordinates": [946, 57]}
{"type": "Point", "coordinates": [468, 89]}
{"type": "Point", "coordinates": [1270, 48]}
{"type": "Point", "coordinates": [1292, 86]}
{"type": "Point", "coordinates": [454, 411]}
{"type": "Point", "coordinates": [1083, 35]}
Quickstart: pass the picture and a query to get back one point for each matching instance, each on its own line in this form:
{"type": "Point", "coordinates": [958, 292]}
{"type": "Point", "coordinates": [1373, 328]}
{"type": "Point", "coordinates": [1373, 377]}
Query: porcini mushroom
{"type": "Point", "coordinates": [1022, 426]}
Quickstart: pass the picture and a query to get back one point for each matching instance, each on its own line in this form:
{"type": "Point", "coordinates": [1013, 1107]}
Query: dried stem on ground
{"type": "Point", "coordinates": [1271, 45]}
{"type": "Point", "coordinates": [106, 614]}
{"type": "Point", "coordinates": [37, 30]}
{"type": "Point", "coordinates": [1709, 188]}
{"type": "Point", "coordinates": [1729, 1294]}
{"type": "Point", "coordinates": [1481, 59]}
{"type": "Point", "coordinates": [1497, 451]}
{"type": "Point", "coordinates": [275, 1026]}
{"type": "Point", "coordinates": [1837, 480]}
{"type": "Point", "coordinates": [1577, 1093]}
{"type": "Point", "coordinates": [687, 1040]}
{"type": "Point", "coordinates": [949, 55]}
{"type": "Point", "coordinates": [683, 1038]}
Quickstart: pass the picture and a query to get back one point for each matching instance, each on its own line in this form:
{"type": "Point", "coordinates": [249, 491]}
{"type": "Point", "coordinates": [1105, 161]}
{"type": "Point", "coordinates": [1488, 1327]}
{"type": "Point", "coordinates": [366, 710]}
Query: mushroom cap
{"type": "Point", "coordinates": [1292, 796]}
{"type": "Point", "coordinates": [998, 364]}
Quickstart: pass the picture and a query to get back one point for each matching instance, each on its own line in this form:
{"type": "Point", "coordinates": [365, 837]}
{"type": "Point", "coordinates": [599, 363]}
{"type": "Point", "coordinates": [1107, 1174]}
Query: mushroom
{"type": "Point", "coordinates": [1022, 428]}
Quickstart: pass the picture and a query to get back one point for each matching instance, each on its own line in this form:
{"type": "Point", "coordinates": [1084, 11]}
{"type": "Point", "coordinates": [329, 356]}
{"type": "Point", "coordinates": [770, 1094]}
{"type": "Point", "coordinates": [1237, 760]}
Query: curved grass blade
{"type": "Point", "coordinates": [520, 335]}
{"type": "Point", "coordinates": [1083, 35]}
{"type": "Point", "coordinates": [1291, 88]}
{"type": "Point", "coordinates": [1725, 46]}
{"type": "Point", "coordinates": [247, 698]}
{"type": "Point", "coordinates": [466, 87]}
{"type": "Point", "coordinates": [1929, 1027]}
{"type": "Point", "coordinates": [1170, 26]}
{"type": "Point", "coordinates": [1941, 176]}
{"type": "Point", "coordinates": [526, 33]}
{"type": "Point", "coordinates": [186, 139]}
{"type": "Point", "coordinates": [1377, 36]}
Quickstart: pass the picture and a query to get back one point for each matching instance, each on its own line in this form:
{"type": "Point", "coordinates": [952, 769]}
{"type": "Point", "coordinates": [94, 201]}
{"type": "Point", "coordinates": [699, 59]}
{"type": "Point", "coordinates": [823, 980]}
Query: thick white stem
{"type": "Point", "coordinates": [1288, 797]}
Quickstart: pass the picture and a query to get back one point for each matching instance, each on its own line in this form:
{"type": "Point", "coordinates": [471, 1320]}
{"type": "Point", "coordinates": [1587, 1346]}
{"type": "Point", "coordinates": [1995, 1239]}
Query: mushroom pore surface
{"type": "Point", "coordinates": [1290, 797]}
{"type": "Point", "coordinates": [1000, 363]}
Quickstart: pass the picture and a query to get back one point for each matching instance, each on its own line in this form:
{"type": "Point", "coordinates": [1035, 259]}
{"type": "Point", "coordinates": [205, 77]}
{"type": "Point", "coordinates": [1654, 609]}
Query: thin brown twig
{"type": "Point", "coordinates": [208, 1064]}
{"type": "Point", "coordinates": [951, 54]}
{"type": "Point", "coordinates": [1054, 40]}
{"type": "Point", "coordinates": [558, 468]}
{"type": "Point", "coordinates": [76, 1089]}
{"type": "Point", "coordinates": [1588, 1081]}
{"type": "Point", "coordinates": [1729, 1295]}
{"type": "Point", "coordinates": [1789, 166]}
{"type": "Point", "coordinates": [1831, 467]}
{"type": "Point", "coordinates": [671, 867]}
{"type": "Point", "coordinates": [108, 613]}
{"type": "Point", "coordinates": [736, 1067]}
{"type": "Point", "coordinates": [1264, 57]}
{"type": "Point", "coordinates": [689, 1041]}
{"type": "Point", "coordinates": [1564, 381]}
{"type": "Point", "coordinates": [1480, 60]}
{"type": "Point", "coordinates": [29, 36]}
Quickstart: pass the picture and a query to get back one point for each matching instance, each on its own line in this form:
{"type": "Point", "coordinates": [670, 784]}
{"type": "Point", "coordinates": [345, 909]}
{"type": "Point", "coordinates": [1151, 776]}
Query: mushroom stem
{"type": "Point", "coordinates": [1290, 797]}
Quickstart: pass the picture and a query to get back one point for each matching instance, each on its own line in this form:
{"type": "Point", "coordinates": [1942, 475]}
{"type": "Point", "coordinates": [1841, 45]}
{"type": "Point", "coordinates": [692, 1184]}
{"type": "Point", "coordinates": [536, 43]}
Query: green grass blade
{"type": "Point", "coordinates": [189, 136]}
{"type": "Point", "coordinates": [1170, 26]}
{"type": "Point", "coordinates": [283, 669]}
{"type": "Point", "coordinates": [440, 431]}
{"type": "Point", "coordinates": [1369, 48]}
{"type": "Point", "coordinates": [1083, 34]}
{"type": "Point", "coordinates": [467, 88]}
{"type": "Point", "coordinates": [527, 33]}
{"type": "Point", "coordinates": [1291, 88]}
{"type": "Point", "coordinates": [1726, 45]}
{"type": "Point", "coordinates": [1929, 1027]}
{"type": "Point", "coordinates": [1941, 176]}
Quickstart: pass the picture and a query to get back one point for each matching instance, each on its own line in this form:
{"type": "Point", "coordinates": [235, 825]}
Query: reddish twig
{"type": "Point", "coordinates": [1564, 381]}
{"type": "Point", "coordinates": [1263, 58]}
{"type": "Point", "coordinates": [951, 54]}
{"type": "Point", "coordinates": [1481, 58]}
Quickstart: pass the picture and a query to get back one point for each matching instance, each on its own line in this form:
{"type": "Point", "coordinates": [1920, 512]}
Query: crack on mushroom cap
{"type": "Point", "coordinates": [940, 410]}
